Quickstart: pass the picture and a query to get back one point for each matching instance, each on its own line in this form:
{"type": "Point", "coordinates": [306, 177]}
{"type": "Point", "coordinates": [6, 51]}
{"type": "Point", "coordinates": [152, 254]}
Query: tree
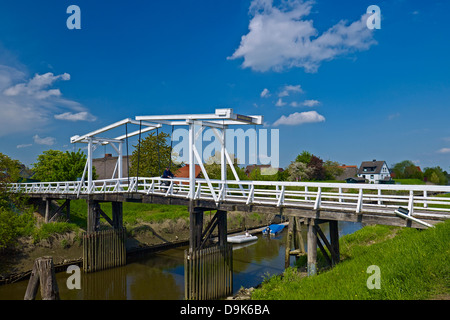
{"type": "Point", "coordinates": [55, 165]}
{"type": "Point", "coordinates": [407, 170]}
{"type": "Point", "coordinates": [332, 169]}
{"type": "Point", "coordinates": [9, 173]}
{"type": "Point", "coordinates": [299, 171]}
{"type": "Point", "coordinates": [318, 171]}
{"type": "Point", "coordinates": [153, 155]}
{"type": "Point", "coordinates": [12, 223]}
{"type": "Point", "coordinates": [436, 175]}
{"type": "Point", "coordinates": [304, 157]}
{"type": "Point", "coordinates": [315, 171]}
{"type": "Point", "coordinates": [9, 169]}
{"type": "Point", "coordinates": [268, 174]}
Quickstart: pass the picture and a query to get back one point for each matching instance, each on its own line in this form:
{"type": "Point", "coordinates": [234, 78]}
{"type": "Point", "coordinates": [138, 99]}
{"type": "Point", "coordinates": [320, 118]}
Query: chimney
{"type": "Point", "coordinates": [374, 160]}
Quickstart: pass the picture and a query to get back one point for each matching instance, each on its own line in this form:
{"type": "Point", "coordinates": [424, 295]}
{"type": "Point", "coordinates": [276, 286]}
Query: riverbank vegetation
{"type": "Point", "coordinates": [413, 264]}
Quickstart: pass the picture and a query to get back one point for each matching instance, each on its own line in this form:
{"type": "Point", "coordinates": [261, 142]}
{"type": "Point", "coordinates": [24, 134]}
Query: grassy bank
{"type": "Point", "coordinates": [134, 212]}
{"type": "Point", "coordinates": [413, 264]}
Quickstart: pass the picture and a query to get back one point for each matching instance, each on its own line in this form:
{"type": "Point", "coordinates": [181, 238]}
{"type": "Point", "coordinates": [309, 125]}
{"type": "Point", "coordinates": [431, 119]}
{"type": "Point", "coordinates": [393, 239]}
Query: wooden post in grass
{"type": "Point", "coordinates": [312, 248]}
{"type": "Point", "coordinates": [43, 274]}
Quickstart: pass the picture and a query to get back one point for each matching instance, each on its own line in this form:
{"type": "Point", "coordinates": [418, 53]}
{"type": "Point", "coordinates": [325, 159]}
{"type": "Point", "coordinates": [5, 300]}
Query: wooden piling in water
{"type": "Point", "coordinates": [208, 273]}
{"type": "Point", "coordinates": [104, 249]}
{"type": "Point", "coordinates": [43, 274]}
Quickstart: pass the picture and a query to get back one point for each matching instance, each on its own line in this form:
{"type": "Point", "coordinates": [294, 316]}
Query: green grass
{"type": "Point", "coordinates": [409, 181]}
{"type": "Point", "coordinates": [48, 229]}
{"type": "Point", "coordinates": [415, 264]}
{"type": "Point", "coordinates": [133, 213]}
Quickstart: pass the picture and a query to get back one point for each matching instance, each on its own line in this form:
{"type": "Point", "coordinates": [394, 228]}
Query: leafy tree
{"type": "Point", "coordinates": [9, 173]}
{"type": "Point", "coordinates": [332, 169]}
{"type": "Point", "coordinates": [55, 165]}
{"type": "Point", "coordinates": [256, 174]}
{"type": "Point", "coordinates": [299, 171]}
{"type": "Point", "coordinates": [9, 169]}
{"type": "Point", "coordinates": [436, 175]}
{"type": "Point", "coordinates": [407, 170]}
{"type": "Point", "coordinates": [318, 171]}
{"type": "Point", "coordinates": [434, 178]}
{"type": "Point", "coordinates": [12, 224]}
{"type": "Point", "coordinates": [153, 156]}
{"type": "Point", "coordinates": [304, 157]}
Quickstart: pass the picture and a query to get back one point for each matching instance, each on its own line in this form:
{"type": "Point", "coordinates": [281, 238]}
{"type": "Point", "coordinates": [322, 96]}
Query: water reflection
{"type": "Point", "coordinates": [160, 276]}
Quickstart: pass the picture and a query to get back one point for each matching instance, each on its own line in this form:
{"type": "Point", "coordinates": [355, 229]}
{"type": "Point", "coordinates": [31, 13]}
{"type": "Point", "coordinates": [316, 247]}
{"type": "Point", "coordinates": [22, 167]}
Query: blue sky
{"type": "Point", "coordinates": [312, 69]}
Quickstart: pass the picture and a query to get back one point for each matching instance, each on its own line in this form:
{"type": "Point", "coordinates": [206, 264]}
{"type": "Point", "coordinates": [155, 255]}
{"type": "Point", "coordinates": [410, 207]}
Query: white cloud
{"type": "Point", "coordinates": [299, 118]}
{"type": "Point", "coordinates": [36, 86]}
{"type": "Point", "coordinates": [306, 103]}
{"type": "Point", "coordinates": [48, 141]}
{"type": "Point", "coordinates": [444, 150]}
{"type": "Point", "coordinates": [280, 103]}
{"type": "Point", "coordinates": [28, 103]}
{"type": "Point", "coordinates": [80, 116]}
{"type": "Point", "coordinates": [265, 93]}
{"type": "Point", "coordinates": [310, 103]}
{"type": "Point", "coordinates": [19, 146]}
{"type": "Point", "coordinates": [281, 38]}
{"type": "Point", "coordinates": [287, 90]}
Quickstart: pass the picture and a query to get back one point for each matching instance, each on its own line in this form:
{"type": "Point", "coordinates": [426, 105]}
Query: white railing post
{"type": "Point", "coordinates": [411, 202]}
{"type": "Point", "coordinates": [251, 194]}
{"type": "Point", "coordinates": [425, 195]}
{"type": "Point", "coordinates": [281, 196]}
{"type": "Point", "coordinates": [318, 199]}
{"type": "Point", "coordinates": [359, 205]}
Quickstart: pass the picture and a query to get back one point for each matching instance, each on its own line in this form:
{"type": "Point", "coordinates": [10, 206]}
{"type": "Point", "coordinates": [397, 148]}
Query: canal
{"type": "Point", "coordinates": [160, 276]}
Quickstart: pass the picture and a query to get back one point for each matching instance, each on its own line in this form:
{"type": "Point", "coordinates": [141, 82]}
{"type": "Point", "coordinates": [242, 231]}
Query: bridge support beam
{"type": "Point", "coordinates": [93, 216]}
{"type": "Point", "coordinates": [44, 207]}
{"type": "Point", "coordinates": [294, 237]}
{"type": "Point", "coordinates": [196, 227]}
{"type": "Point", "coordinates": [104, 249]}
{"type": "Point", "coordinates": [316, 238]}
{"type": "Point", "coordinates": [208, 269]}
{"type": "Point", "coordinates": [312, 248]}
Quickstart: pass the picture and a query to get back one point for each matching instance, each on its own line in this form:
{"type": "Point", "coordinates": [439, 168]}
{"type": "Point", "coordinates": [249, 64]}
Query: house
{"type": "Point", "coordinates": [348, 172]}
{"type": "Point", "coordinates": [374, 171]}
{"type": "Point", "coordinates": [104, 167]}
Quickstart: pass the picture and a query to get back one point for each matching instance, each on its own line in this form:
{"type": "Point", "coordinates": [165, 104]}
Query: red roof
{"type": "Point", "coordinates": [183, 172]}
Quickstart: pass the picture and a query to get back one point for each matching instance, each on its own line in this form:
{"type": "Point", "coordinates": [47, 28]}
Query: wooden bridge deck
{"type": "Point", "coordinates": [373, 204]}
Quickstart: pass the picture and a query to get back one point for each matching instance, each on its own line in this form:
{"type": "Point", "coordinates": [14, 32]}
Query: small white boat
{"type": "Point", "coordinates": [242, 238]}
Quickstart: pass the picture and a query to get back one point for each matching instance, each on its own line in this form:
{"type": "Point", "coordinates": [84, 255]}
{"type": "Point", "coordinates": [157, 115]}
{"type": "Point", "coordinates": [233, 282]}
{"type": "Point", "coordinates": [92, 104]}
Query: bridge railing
{"type": "Point", "coordinates": [346, 197]}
